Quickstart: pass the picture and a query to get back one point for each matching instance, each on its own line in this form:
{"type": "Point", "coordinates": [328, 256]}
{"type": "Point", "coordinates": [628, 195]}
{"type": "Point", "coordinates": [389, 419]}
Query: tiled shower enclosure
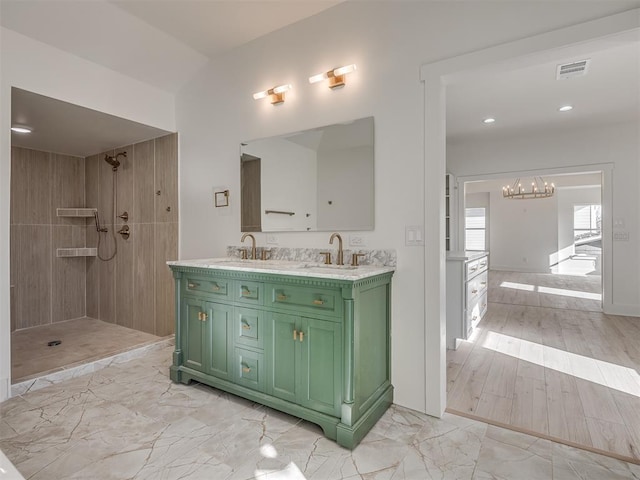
{"type": "Point", "coordinates": [135, 288]}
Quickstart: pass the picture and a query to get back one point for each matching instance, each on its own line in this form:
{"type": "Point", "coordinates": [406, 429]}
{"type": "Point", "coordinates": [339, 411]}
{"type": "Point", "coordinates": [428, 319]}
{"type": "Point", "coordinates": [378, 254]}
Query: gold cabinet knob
{"type": "Point", "coordinates": [245, 292]}
{"type": "Point", "coordinates": [281, 296]}
{"type": "Point", "coordinates": [302, 336]}
{"type": "Point", "coordinates": [318, 302]}
{"type": "Point", "coordinates": [246, 326]}
{"type": "Point", "coordinates": [295, 334]}
{"type": "Point", "coordinates": [193, 285]}
{"type": "Point", "coordinates": [246, 369]}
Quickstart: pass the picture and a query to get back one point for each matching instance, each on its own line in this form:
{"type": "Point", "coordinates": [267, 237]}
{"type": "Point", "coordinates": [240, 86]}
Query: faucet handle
{"type": "Point", "coordinates": [243, 253]}
{"type": "Point", "coordinates": [327, 257]}
{"type": "Point", "coordinates": [263, 254]}
{"type": "Point", "coordinates": [354, 258]}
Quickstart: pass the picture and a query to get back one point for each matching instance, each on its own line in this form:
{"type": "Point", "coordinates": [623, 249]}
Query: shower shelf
{"type": "Point", "coordinates": [77, 252]}
{"type": "Point", "coordinates": [75, 212]}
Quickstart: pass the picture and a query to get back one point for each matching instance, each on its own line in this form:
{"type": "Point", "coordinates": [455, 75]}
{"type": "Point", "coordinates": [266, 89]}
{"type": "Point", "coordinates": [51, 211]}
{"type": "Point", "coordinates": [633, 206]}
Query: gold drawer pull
{"type": "Point", "coordinates": [483, 283]}
{"type": "Point", "coordinates": [204, 317]}
{"type": "Point", "coordinates": [318, 302]}
{"type": "Point", "coordinates": [281, 296]}
{"type": "Point", "coordinates": [200, 316]}
{"type": "Point", "coordinates": [246, 369]}
{"type": "Point", "coordinates": [215, 287]}
{"type": "Point", "coordinates": [246, 326]}
{"type": "Point", "coordinates": [474, 268]}
{"type": "Point", "coordinates": [245, 291]}
{"type": "Point", "coordinates": [295, 334]}
{"type": "Point", "coordinates": [483, 264]}
{"type": "Point", "coordinates": [193, 285]}
{"type": "Point", "coordinates": [474, 317]}
{"type": "Point", "coordinates": [474, 292]}
{"type": "Point", "coordinates": [302, 336]}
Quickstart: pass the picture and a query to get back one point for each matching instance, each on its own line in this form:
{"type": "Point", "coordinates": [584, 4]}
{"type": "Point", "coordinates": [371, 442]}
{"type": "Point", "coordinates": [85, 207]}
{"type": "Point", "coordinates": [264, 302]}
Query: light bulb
{"type": "Point", "coordinates": [317, 78]}
{"type": "Point", "coordinates": [282, 88]}
{"type": "Point", "coordinates": [344, 70]}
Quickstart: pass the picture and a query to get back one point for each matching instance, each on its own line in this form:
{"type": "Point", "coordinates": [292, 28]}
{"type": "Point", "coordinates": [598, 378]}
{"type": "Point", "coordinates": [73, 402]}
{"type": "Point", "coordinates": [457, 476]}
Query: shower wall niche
{"type": "Point", "coordinates": [134, 289]}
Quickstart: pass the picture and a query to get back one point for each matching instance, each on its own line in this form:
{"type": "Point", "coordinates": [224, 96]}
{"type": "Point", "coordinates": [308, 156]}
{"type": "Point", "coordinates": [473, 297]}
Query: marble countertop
{"type": "Point", "coordinates": [465, 255]}
{"type": "Point", "coordinates": [285, 267]}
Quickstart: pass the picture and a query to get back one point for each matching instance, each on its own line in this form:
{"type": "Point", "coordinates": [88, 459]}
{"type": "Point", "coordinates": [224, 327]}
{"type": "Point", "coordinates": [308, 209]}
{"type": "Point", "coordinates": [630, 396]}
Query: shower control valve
{"type": "Point", "coordinates": [124, 231]}
{"type": "Point", "coordinates": [124, 216]}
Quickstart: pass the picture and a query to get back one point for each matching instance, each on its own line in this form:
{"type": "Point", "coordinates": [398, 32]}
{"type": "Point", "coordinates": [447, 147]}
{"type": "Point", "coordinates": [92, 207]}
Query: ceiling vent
{"type": "Point", "coordinates": [575, 69]}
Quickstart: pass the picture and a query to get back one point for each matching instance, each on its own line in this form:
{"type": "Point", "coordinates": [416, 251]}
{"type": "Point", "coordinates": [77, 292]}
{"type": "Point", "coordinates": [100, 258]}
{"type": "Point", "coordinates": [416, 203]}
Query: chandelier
{"type": "Point", "coordinates": [539, 189]}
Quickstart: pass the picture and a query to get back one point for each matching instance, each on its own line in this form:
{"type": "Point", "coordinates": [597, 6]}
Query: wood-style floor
{"type": "Point", "coordinates": [546, 360]}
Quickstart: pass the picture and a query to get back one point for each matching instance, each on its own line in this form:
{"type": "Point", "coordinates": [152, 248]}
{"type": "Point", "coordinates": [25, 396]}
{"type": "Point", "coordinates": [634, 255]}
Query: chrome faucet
{"type": "Point", "coordinates": [253, 244]}
{"type": "Point", "coordinates": [340, 256]}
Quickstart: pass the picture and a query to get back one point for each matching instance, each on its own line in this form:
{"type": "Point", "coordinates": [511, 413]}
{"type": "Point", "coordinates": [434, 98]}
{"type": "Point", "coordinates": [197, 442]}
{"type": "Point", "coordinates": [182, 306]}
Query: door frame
{"type": "Point", "coordinates": [573, 40]}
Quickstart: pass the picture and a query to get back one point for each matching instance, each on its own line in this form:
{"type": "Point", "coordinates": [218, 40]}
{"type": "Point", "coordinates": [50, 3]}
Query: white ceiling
{"type": "Point", "coordinates": [527, 99]}
{"type": "Point", "coordinates": [178, 37]}
{"type": "Point", "coordinates": [62, 127]}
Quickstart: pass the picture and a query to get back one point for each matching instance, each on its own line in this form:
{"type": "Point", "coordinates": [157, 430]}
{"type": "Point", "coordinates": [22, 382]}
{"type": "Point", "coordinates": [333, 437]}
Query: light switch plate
{"type": "Point", "coordinates": [620, 236]}
{"type": "Point", "coordinates": [414, 235]}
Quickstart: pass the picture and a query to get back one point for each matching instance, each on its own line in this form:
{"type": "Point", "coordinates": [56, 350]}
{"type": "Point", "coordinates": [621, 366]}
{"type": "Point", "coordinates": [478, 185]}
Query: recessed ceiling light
{"type": "Point", "coordinates": [20, 129]}
{"type": "Point", "coordinates": [489, 120]}
{"type": "Point", "coordinates": [565, 108]}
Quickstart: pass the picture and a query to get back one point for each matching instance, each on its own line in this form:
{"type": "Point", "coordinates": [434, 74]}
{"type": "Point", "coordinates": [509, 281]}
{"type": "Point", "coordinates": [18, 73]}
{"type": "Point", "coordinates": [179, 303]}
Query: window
{"type": "Point", "coordinates": [475, 225]}
{"type": "Point", "coordinates": [587, 222]}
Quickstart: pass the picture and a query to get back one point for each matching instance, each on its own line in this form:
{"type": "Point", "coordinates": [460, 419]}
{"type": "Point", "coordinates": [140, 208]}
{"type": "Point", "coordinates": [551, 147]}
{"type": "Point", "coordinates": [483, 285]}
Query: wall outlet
{"type": "Point", "coordinates": [272, 239]}
{"type": "Point", "coordinates": [618, 223]}
{"type": "Point", "coordinates": [357, 241]}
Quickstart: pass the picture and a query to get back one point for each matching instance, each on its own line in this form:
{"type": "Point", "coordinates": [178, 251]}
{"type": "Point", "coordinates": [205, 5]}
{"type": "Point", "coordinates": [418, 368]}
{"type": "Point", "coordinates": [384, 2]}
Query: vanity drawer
{"type": "Point", "coordinates": [249, 292]}
{"type": "Point", "coordinates": [474, 267]}
{"type": "Point", "coordinates": [309, 299]}
{"type": "Point", "coordinates": [212, 286]}
{"type": "Point", "coordinates": [248, 325]}
{"type": "Point", "coordinates": [475, 312]}
{"type": "Point", "coordinates": [249, 369]}
{"type": "Point", "coordinates": [476, 286]}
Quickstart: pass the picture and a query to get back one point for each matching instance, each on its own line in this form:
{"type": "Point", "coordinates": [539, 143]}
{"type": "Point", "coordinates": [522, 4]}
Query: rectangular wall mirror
{"type": "Point", "coordinates": [315, 180]}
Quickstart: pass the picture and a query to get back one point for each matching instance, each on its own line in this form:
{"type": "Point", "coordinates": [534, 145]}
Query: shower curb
{"type": "Point", "coordinates": [37, 383]}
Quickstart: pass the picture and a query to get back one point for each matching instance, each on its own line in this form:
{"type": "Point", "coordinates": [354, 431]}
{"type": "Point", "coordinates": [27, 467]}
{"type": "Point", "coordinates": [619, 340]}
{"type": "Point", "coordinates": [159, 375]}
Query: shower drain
{"type": "Point", "coordinates": [53, 343]}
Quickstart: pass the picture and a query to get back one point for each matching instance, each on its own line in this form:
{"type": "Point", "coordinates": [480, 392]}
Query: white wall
{"type": "Point", "coordinates": [34, 66]}
{"type": "Point", "coordinates": [345, 178]}
{"type": "Point", "coordinates": [388, 41]}
{"type": "Point", "coordinates": [524, 233]}
{"type": "Point", "coordinates": [617, 144]}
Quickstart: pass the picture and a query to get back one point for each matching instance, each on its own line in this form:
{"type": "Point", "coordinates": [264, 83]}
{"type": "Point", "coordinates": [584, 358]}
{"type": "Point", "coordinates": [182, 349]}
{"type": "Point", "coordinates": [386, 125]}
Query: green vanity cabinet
{"type": "Point", "coordinates": [317, 347]}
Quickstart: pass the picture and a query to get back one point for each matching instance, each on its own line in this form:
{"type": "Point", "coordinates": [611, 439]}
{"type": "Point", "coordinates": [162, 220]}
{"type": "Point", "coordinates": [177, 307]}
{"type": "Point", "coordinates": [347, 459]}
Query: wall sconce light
{"type": "Point", "coordinates": [276, 94]}
{"type": "Point", "coordinates": [336, 76]}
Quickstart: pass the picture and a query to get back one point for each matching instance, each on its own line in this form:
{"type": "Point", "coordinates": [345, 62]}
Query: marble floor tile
{"type": "Point", "coordinates": [129, 421]}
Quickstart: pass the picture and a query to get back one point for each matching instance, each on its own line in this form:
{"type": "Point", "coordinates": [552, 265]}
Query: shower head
{"type": "Point", "coordinates": [113, 161]}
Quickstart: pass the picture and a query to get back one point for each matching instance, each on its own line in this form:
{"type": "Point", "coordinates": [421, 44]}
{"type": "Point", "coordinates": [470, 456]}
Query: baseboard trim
{"type": "Point", "coordinates": [551, 438]}
{"type": "Point", "coordinates": [624, 310]}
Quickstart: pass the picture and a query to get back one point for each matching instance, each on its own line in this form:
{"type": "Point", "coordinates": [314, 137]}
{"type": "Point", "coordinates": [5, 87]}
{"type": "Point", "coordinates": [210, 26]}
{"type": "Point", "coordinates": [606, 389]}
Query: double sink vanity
{"type": "Point", "coordinates": [306, 338]}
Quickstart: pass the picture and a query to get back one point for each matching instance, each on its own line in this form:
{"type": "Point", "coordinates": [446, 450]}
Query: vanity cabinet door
{"type": "Point", "coordinates": [218, 331]}
{"type": "Point", "coordinates": [193, 333]}
{"type": "Point", "coordinates": [206, 337]}
{"type": "Point", "coordinates": [321, 366]}
{"type": "Point", "coordinates": [282, 351]}
{"type": "Point", "coordinates": [305, 362]}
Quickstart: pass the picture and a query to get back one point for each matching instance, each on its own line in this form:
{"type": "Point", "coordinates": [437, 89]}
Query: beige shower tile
{"type": "Point", "coordinates": [68, 186]}
{"type": "Point", "coordinates": [144, 278]}
{"type": "Point", "coordinates": [143, 177]}
{"type": "Point", "coordinates": [68, 275]}
{"type": "Point", "coordinates": [91, 183]}
{"type": "Point", "coordinates": [124, 280]}
{"type": "Point", "coordinates": [106, 274]}
{"type": "Point", "coordinates": [92, 277]}
{"type": "Point", "coordinates": [30, 187]}
{"type": "Point", "coordinates": [33, 288]}
{"type": "Point", "coordinates": [166, 178]}
{"type": "Point", "coordinates": [166, 248]}
{"type": "Point", "coordinates": [125, 182]}
{"type": "Point", "coordinates": [105, 189]}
